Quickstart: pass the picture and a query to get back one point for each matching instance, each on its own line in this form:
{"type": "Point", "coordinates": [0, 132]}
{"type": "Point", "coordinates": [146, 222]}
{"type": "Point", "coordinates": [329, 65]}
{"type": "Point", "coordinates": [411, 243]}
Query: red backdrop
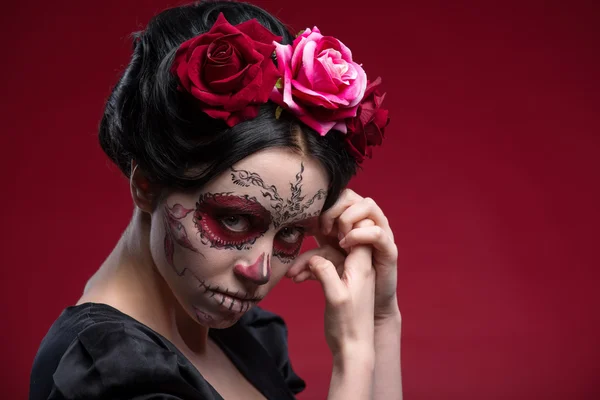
{"type": "Point", "coordinates": [489, 174]}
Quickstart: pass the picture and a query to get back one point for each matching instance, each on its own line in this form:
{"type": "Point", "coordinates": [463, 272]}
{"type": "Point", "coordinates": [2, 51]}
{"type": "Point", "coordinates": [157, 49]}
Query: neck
{"type": "Point", "coordinates": [130, 281]}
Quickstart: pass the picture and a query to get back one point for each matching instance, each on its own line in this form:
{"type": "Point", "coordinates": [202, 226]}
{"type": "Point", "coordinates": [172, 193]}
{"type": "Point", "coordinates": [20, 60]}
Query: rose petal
{"type": "Point", "coordinates": [296, 56]}
{"type": "Point", "coordinates": [319, 126]}
{"type": "Point", "coordinates": [195, 63]}
{"type": "Point", "coordinates": [372, 86]}
{"type": "Point", "coordinates": [182, 74]}
{"type": "Point", "coordinates": [277, 98]}
{"type": "Point", "coordinates": [328, 100]}
{"type": "Point", "coordinates": [340, 126]}
{"type": "Point", "coordinates": [382, 119]}
{"type": "Point", "coordinates": [324, 74]}
{"type": "Point", "coordinates": [373, 134]}
{"type": "Point", "coordinates": [229, 84]}
{"type": "Point", "coordinates": [355, 92]}
{"type": "Point", "coordinates": [257, 32]}
{"type": "Point", "coordinates": [208, 97]}
{"type": "Point", "coordinates": [226, 68]}
{"type": "Point", "coordinates": [217, 113]}
{"type": "Point", "coordinates": [270, 77]}
{"type": "Point", "coordinates": [242, 115]}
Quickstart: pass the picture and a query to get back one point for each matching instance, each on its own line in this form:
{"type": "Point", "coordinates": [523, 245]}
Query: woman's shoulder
{"type": "Point", "coordinates": [95, 351]}
{"type": "Point", "coordinates": [92, 322]}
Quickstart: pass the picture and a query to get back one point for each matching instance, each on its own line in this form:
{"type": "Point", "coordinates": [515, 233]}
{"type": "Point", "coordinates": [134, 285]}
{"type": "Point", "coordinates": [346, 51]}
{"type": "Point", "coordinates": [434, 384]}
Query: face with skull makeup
{"type": "Point", "coordinates": [223, 248]}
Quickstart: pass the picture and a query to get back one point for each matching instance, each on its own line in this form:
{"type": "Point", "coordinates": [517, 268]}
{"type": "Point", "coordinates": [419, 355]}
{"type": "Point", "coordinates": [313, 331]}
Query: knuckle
{"type": "Point", "coordinates": [365, 223]}
{"type": "Point", "coordinates": [349, 192]}
{"type": "Point", "coordinates": [394, 251]}
{"type": "Point", "coordinates": [369, 202]}
{"type": "Point", "coordinates": [378, 232]}
{"type": "Point", "coordinates": [340, 300]}
{"type": "Point", "coordinates": [343, 220]}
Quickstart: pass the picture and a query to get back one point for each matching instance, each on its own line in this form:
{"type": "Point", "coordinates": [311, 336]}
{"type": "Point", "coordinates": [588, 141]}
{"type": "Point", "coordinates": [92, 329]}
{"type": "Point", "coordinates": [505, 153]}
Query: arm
{"type": "Point", "coordinates": [352, 375]}
{"type": "Point", "coordinates": [349, 327]}
{"type": "Point", "coordinates": [387, 375]}
{"type": "Point", "coordinates": [345, 219]}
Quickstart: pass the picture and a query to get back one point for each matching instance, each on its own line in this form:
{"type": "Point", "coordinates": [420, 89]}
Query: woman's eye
{"type": "Point", "coordinates": [291, 235]}
{"type": "Point", "coordinates": [236, 223]}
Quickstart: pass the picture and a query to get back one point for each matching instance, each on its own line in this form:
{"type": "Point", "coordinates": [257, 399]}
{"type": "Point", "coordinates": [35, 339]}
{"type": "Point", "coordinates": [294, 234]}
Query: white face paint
{"type": "Point", "coordinates": [222, 249]}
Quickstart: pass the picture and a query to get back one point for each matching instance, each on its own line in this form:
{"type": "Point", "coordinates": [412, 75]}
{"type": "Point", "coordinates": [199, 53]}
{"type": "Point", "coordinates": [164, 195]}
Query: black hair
{"type": "Point", "coordinates": [148, 120]}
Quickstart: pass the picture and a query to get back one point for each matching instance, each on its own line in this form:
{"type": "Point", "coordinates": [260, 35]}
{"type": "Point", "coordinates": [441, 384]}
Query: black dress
{"type": "Point", "coordinates": [93, 351]}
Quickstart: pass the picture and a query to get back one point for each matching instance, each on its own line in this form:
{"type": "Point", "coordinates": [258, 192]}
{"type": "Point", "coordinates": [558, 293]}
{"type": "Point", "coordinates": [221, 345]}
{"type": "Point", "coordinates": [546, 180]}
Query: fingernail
{"type": "Point", "coordinates": [343, 242]}
{"type": "Point", "coordinates": [340, 236]}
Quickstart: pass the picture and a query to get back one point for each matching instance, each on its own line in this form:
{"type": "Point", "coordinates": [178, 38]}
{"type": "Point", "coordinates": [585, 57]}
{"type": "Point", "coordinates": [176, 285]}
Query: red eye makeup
{"type": "Point", "coordinates": [228, 221]}
{"type": "Point", "coordinates": [287, 243]}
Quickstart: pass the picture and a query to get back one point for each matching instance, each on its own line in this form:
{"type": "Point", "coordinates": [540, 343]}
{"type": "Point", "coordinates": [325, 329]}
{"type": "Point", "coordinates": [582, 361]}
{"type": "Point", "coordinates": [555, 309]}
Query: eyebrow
{"type": "Point", "coordinates": [310, 224]}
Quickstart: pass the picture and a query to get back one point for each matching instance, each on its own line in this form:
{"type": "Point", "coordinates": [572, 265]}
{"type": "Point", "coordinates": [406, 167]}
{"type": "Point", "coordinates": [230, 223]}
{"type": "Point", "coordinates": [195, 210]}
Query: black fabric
{"type": "Point", "coordinates": [94, 351]}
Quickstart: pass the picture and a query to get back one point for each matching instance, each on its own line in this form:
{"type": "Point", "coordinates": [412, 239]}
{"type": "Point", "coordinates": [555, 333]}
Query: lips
{"type": "Point", "coordinates": [230, 303]}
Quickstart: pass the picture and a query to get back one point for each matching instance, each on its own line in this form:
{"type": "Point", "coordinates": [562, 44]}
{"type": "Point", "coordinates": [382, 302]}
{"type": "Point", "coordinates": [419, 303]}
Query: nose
{"type": "Point", "coordinates": [258, 273]}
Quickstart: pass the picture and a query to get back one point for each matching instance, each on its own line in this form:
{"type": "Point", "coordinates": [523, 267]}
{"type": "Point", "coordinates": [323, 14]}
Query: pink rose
{"type": "Point", "coordinates": [321, 85]}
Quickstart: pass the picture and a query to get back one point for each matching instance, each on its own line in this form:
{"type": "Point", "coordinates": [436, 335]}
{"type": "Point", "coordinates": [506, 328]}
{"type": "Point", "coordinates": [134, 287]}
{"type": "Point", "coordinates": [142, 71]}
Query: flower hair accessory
{"type": "Point", "coordinates": [321, 85]}
{"type": "Point", "coordinates": [228, 69]}
{"type": "Point", "coordinates": [230, 72]}
{"type": "Point", "coordinates": [367, 128]}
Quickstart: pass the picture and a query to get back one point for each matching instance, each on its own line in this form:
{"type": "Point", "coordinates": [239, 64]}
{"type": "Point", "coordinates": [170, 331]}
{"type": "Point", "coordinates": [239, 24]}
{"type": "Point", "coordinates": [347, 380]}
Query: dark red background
{"type": "Point", "coordinates": [489, 174]}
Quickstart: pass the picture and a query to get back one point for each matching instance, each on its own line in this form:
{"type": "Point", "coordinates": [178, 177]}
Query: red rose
{"type": "Point", "coordinates": [228, 69]}
{"type": "Point", "coordinates": [367, 128]}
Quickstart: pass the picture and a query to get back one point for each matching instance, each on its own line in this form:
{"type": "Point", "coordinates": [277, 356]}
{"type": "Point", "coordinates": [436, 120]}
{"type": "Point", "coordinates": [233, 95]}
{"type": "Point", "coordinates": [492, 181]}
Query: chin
{"type": "Point", "coordinates": [219, 321]}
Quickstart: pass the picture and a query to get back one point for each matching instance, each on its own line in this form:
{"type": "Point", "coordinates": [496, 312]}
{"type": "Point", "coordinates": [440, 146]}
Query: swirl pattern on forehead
{"type": "Point", "coordinates": [287, 210]}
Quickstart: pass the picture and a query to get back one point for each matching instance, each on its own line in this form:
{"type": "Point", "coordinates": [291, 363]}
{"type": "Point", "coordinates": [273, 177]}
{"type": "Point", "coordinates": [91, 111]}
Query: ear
{"type": "Point", "coordinates": [143, 192]}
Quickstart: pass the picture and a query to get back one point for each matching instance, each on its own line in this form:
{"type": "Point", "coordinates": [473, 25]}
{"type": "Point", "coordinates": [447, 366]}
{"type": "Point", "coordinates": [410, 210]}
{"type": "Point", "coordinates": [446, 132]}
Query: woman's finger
{"type": "Point", "coordinates": [304, 275]}
{"type": "Point", "coordinates": [366, 208]}
{"type": "Point", "coordinates": [346, 199]}
{"type": "Point", "coordinates": [359, 261]}
{"type": "Point", "coordinates": [326, 251]}
{"type": "Point", "coordinates": [373, 235]}
{"type": "Point", "coordinates": [326, 274]}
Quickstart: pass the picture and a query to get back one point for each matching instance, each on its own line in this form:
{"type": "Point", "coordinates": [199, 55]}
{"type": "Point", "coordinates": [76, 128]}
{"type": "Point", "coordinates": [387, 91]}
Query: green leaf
{"type": "Point", "coordinates": [278, 111]}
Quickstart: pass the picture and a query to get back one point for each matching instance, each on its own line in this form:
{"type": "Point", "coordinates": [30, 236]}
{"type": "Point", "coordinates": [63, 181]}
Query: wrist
{"type": "Point", "coordinates": [389, 314]}
{"type": "Point", "coordinates": [357, 357]}
{"type": "Point", "coordinates": [352, 375]}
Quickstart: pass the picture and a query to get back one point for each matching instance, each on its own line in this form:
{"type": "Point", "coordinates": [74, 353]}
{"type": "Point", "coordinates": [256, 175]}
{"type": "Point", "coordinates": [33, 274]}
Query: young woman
{"type": "Point", "coordinates": [238, 141]}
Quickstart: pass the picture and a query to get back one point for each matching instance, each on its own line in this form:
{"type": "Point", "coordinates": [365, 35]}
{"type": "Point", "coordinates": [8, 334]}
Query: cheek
{"type": "Point", "coordinates": [179, 256]}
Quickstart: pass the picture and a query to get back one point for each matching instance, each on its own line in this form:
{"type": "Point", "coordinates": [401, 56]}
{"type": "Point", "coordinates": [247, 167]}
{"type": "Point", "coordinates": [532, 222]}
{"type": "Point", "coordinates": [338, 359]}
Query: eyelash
{"type": "Point", "coordinates": [297, 230]}
{"type": "Point", "coordinates": [227, 226]}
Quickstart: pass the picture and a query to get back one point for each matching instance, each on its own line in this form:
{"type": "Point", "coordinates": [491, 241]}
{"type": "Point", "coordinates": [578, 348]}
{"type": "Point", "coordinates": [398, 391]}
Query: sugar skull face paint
{"type": "Point", "coordinates": [176, 232]}
{"type": "Point", "coordinates": [259, 271]}
{"type": "Point", "coordinates": [222, 249]}
{"type": "Point", "coordinates": [285, 210]}
{"type": "Point", "coordinates": [228, 221]}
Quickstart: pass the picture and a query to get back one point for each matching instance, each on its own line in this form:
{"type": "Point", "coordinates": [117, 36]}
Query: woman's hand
{"type": "Point", "coordinates": [340, 232]}
{"type": "Point", "coordinates": [349, 297]}
{"type": "Point", "coordinates": [349, 326]}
